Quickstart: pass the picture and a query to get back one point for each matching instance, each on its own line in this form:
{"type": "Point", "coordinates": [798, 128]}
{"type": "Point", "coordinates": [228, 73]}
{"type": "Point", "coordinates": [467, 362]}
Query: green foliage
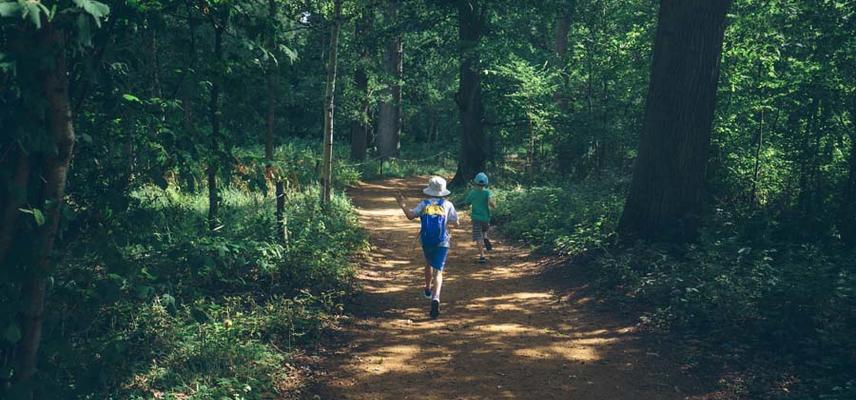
{"type": "Point", "coordinates": [416, 159]}
{"type": "Point", "coordinates": [741, 287]}
{"type": "Point", "coordinates": [568, 220]}
{"type": "Point", "coordinates": [157, 292]}
{"type": "Point", "coordinates": [236, 351]}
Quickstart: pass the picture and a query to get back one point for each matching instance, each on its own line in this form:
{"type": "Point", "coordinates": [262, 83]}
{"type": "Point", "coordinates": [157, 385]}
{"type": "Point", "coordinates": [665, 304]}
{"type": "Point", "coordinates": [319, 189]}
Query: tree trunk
{"type": "Point", "coordinates": [756, 170]}
{"type": "Point", "coordinates": [272, 87]}
{"type": "Point", "coordinates": [360, 127]}
{"type": "Point", "coordinates": [13, 199]}
{"type": "Point", "coordinates": [329, 104]}
{"type": "Point", "coordinates": [665, 196]}
{"type": "Point", "coordinates": [54, 171]}
{"type": "Point", "coordinates": [530, 152]}
{"type": "Point", "coordinates": [473, 146]}
{"type": "Point", "coordinates": [848, 198]}
{"type": "Point", "coordinates": [563, 27]}
{"type": "Point", "coordinates": [214, 108]}
{"type": "Point", "coordinates": [389, 116]}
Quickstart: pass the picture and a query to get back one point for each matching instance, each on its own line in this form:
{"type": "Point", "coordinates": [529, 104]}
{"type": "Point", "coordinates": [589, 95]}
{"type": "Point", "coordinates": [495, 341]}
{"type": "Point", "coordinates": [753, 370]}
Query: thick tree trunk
{"type": "Point", "coordinates": [360, 128]}
{"type": "Point", "coordinates": [13, 199]}
{"type": "Point", "coordinates": [665, 196]}
{"type": "Point", "coordinates": [473, 147]}
{"type": "Point", "coordinates": [389, 115]}
{"type": "Point", "coordinates": [54, 171]}
{"type": "Point", "coordinates": [214, 109]}
{"type": "Point", "coordinates": [329, 104]}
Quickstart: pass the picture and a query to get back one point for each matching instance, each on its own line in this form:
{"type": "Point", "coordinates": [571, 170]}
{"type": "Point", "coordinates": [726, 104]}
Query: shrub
{"type": "Point", "coordinates": [139, 307]}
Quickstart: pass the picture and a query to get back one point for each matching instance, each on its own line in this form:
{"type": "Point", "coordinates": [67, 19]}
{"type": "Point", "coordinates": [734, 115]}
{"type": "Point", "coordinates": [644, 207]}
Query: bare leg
{"type": "Point", "coordinates": [438, 283]}
{"type": "Point", "coordinates": [480, 244]}
{"type": "Point", "coordinates": [428, 277]}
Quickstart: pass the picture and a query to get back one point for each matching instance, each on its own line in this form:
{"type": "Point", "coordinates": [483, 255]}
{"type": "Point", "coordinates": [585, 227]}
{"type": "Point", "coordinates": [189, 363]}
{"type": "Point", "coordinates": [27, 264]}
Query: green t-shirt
{"type": "Point", "coordinates": [479, 200]}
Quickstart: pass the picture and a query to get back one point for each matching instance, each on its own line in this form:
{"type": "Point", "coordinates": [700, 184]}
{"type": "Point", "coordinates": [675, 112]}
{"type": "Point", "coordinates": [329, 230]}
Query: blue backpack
{"type": "Point", "coordinates": [433, 220]}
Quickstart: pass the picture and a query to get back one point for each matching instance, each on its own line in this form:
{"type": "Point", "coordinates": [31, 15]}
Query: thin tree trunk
{"type": "Point", "coordinates": [563, 27]}
{"type": "Point", "coordinates": [54, 171]}
{"type": "Point", "coordinates": [808, 167]}
{"type": "Point", "coordinates": [214, 108]}
{"type": "Point", "coordinates": [759, 144]}
{"type": "Point", "coordinates": [389, 115]}
{"type": "Point", "coordinates": [360, 128]}
{"type": "Point", "coordinates": [272, 88]}
{"type": "Point", "coordinates": [473, 147]}
{"type": "Point", "coordinates": [530, 153]}
{"type": "Point", "coordinates": [329, 104]}
{"type": "Point", "coordinates": [848, 198]}
{"type": "Point", "coordinates": [187, 95]}
{"type": "Point", "coordinates": [666, 193]}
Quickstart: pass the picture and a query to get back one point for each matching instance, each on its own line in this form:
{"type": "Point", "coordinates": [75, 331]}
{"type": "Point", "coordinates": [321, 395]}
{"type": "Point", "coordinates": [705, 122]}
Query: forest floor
{"type": "Point", "coordinates": [521, 327]}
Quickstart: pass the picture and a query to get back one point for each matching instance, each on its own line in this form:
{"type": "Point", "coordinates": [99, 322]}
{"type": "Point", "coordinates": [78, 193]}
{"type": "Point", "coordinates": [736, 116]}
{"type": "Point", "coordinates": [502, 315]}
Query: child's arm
{"type": "Point", "coordinates": [407, 212]}
{"type": "Point", "coordinates": [453, 216]}
{"type": "Point", "coordinates": [491, 202]}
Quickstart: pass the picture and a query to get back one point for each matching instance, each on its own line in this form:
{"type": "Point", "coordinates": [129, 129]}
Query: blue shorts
{"type": "Point", "coordinates": [436, 256]}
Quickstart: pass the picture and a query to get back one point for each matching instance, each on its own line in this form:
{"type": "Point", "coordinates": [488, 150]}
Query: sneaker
{"type": "Point", "coordinates": [482, 260]}
{"type": "Point", "coordinates": [487, 244]}
{"type": "Point", "coordinates": [435, 309]}
{"type": "Point", "coordinates": [426, 293]}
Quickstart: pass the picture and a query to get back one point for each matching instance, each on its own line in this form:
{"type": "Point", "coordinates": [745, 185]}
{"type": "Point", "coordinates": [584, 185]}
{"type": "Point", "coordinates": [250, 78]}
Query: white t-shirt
{"type": "Point", "coordinates": [451, 215]}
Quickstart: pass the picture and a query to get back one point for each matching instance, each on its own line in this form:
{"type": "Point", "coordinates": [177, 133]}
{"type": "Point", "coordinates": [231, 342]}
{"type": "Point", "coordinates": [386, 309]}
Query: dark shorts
{"type": "Point", "coordinates": [480, 229]}
{"type": "Point", "coordinates": [436, 256]}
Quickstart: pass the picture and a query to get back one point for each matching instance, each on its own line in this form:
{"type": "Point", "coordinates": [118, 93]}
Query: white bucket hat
{"type": "Point", "coordinates": [436, 187]}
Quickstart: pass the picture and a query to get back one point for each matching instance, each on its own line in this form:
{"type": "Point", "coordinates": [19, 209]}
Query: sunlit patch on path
{"type": "Point", "coordinates": [504, 333]}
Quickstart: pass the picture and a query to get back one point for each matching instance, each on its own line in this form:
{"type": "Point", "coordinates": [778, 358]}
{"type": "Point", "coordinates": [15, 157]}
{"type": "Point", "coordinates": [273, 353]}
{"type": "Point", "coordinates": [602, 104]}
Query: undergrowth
{"type": "Point", "coordinates": [742, 289]}
{"type": "Point", "coordinates": [147, 303]}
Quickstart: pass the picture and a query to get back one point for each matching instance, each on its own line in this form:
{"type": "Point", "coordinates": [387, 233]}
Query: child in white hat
{"type": "Point", "coordinates": [434, 213]}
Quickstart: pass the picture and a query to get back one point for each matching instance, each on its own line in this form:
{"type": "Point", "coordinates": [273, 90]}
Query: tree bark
{"type": "Point", "coordinates": [665, 196]}
{"type": "Point", "coordinates": [848, 198]}
{"type": "Point", "coordinates": [473, 142]}
{"type": "Point", "coordinates": [329, 105]}
{"type": "Point", "coordinates": [54, 171]}
{"type": "Point", "coordinates": [214, 109]}
{"type": "Point", "coordinates": [360, 127]}
{"type": "Point", "coordinates": [389, 115]}
{"type": "Point", "coordinates": [756, 170]}
{"type": "Point", "coordinates": [13, 200]}
{"type": "Point", "coordinates": [272, 88]}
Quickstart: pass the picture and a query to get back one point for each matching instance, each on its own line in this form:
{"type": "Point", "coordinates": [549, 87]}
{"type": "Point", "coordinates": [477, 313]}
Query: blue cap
{"type": "Point", "coordinates": [481, 179]}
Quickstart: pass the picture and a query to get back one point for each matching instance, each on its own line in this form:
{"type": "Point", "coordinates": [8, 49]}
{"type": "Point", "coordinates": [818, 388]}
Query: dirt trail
{"type": "Point", "coordinates": [504, 332]}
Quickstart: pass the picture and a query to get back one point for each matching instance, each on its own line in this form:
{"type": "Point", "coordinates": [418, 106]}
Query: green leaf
{"type": "Point", "coordinates": [94, 8]}
{"type": "Point", "coordinates": [131, 98]}
{"type": "Point", "coordinates": [36, 213]}
{"type": "Point", "coordinates": [290, 53]}
{"type": "Point", "coordinates": [39, 217]}
{"type": "Point", "coordinates": [10, 9]}
{"type": "Point", "coordinates": [33, 11]}
{"type": "Point", "coordinates": [84, 30]}
{"type": "Point", "coordinates": [12, 333]}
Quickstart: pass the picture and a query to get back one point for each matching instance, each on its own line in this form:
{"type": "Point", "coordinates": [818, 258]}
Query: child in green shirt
{"type": "Point", "coordinates": [482, 203]}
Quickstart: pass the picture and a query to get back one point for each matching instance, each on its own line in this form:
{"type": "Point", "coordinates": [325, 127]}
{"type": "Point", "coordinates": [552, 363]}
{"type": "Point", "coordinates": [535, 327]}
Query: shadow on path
{"type": "Point", "coordinates": [504, 333]}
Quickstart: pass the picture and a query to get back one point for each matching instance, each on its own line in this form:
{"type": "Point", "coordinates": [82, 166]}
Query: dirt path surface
{"type": "Point", "coordinates": [505, 331]}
